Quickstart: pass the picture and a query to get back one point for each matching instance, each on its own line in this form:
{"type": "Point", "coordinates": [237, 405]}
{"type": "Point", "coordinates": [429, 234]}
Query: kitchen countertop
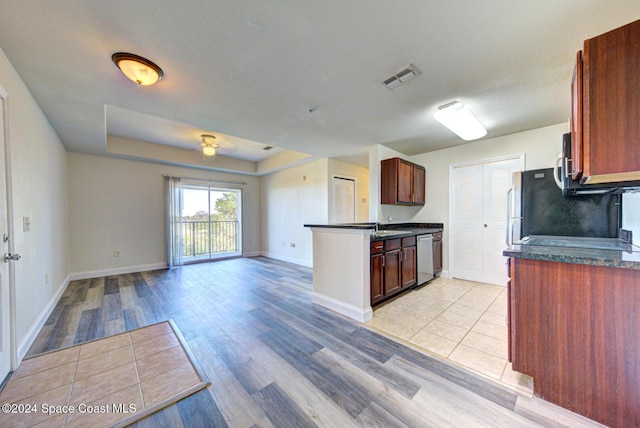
{"type": "Point", "coordinates": [586, 256]}
{"type": "Point", "coordinates": [411, 229]}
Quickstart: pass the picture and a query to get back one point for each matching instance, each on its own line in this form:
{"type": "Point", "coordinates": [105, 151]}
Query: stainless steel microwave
{"type": "Point", "coordinates": [574, 187]}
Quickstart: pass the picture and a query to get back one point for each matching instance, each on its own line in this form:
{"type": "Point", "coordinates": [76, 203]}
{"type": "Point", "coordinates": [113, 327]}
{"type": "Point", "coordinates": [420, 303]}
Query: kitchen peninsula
{"type": "Point", "coordinates": [574, 326]}
{"type": "Point", "coordinates": [342, 262]}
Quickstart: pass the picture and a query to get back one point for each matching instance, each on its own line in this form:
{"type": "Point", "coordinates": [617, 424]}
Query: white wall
{"type": "Point", "coordinates": [540, 147]}
{"type": "Point", "coordinates": [631, 214]}
{"type": "Point", "coordinates": [290, 199]}
{"type": "Point", "coordinates": [361, 176]}
{"type": "Point", "coordinates": [302, 195]}
{"type": "Point", "coordinates": [119, 204]}
{"type": "Point", "coordinates": [40, 192]}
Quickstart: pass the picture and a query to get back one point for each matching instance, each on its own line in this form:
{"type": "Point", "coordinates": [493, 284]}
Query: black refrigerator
{"type": "Point", "coordinates": [536, 206]}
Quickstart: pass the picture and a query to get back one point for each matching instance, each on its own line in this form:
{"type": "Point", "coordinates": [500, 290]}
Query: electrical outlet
{"type": "Point", "coordinates": [116, 253]}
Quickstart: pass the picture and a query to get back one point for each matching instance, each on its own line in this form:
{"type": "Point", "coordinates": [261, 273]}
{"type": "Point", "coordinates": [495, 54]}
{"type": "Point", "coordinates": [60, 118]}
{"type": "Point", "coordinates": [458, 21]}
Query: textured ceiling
{"type": "Point", "coordinates": [253, 70]}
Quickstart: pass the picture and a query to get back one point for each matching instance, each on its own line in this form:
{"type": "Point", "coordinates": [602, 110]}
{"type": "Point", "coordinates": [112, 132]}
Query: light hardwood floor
{"type": "Point", "coordinates": [275, 359]}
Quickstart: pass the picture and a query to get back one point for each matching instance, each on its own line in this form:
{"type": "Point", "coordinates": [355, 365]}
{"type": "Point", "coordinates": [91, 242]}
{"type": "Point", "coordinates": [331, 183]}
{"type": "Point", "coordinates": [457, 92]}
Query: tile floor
{"type": "Point", "coordinates": [141, 368]}
{"type": "Point", "coordinates": [462, 321]}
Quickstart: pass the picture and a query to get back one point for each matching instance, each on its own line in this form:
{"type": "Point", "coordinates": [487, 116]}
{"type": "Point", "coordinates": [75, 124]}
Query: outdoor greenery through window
{"type": "Point", "coordinates": [210, 222]}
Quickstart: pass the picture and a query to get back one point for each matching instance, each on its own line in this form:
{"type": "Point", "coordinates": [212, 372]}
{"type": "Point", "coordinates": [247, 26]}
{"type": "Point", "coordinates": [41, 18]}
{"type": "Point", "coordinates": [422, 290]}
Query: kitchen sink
{"type": "Point", "coordinates": [384, 233]}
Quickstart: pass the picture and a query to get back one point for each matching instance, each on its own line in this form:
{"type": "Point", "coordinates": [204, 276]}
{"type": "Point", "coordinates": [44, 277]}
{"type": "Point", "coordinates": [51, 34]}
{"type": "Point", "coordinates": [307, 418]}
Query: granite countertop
{"type": "Point", "coordinates": [411, 229]}
{"type": "Point", "coordinates": [586, 256]}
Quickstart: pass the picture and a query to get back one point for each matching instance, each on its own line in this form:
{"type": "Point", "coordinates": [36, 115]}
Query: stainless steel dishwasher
{"type": "Point", "coordinates": [425, 259]}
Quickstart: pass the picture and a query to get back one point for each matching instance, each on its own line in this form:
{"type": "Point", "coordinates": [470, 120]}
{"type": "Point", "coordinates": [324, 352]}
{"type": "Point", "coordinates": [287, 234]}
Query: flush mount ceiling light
{"type": "Point", "coordinates": [137, 69]}
{"type": "Point", "coordinates": [458, 118]}
{"type": "Point", "coordinates": [209, 146]}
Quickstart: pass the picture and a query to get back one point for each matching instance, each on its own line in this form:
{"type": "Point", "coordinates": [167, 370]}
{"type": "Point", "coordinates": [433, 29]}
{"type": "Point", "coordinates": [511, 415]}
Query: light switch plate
{"type": "Point", "coordinates": [26, 224]}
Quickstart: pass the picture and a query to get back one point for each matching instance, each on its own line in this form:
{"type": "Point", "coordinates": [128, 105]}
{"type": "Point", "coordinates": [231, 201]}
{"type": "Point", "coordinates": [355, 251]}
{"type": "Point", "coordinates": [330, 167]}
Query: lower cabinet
{"type": "Point", "coordinates": [392, 271]}
{"type": "Point", "coordinates": [409, 270]}
{"type": "Point", "coordinates": [377, 278]}
{"type": "Point", "coordinates": [393, 267]}
{"type": "Point", "coordinates": [437, 253]}
{"type": "Point", "coordinates": [574, 328]}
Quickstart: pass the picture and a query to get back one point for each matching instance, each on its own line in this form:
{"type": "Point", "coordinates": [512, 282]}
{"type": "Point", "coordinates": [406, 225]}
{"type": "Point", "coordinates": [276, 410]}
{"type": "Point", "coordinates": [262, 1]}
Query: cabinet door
{"type": "Point", "coordinates": [418, 184]}
{"type": "Point", "coordinates": [377, 278]}
{"type": "Point", "coordinates": [405, 182]}
{"type": "Point", "coordinates": [392, 271]}
{"type": "Point", "coordinates": [437, 257]}
{"type": "Point", "coordinates": [576, 119]}
{"type": "Point", "coordinates": [408, 266]}
{"type": "Point", "coordinates": [611, 103]}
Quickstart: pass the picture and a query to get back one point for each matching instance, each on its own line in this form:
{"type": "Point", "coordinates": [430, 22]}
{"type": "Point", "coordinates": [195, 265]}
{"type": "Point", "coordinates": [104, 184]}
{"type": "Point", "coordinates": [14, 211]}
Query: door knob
{"type": "Point", "coordinates": [9, 256]}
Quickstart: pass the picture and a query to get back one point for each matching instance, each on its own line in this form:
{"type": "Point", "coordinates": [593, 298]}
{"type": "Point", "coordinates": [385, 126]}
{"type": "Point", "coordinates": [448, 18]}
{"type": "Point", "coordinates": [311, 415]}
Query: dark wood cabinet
{"type": "Point", "coordinates": [606, 107]}
{"type": "Point", "coordinates": [437, 253]}
{"type": "Point", "coordinates": [409, 271]}
{"type": "Point", "coordinates": [393, 267]}
{"type": "Point", "coordinates": [419, 182]}
{"type": "Point", "coordinates": [392, 272]}
{"type": "Point", "coordinates": [576, 119]}
{"type": "Point", "coordinates": [402, 182]}
{"type": "Point", "coordinates": [377, 278]}
{"type": "Point", "coordinates": [574, 328]}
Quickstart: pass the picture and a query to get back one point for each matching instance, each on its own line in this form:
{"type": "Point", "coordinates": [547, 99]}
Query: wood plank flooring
{"type": "Point", "coordinates": [276, 360]}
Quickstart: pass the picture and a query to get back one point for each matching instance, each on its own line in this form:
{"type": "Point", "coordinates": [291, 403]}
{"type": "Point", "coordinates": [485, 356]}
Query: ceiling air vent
{"type": "Point", "coordinates": [401, 76]}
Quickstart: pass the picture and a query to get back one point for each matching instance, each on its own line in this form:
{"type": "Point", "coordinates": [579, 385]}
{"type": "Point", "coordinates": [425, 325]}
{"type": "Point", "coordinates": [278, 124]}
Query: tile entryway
{"type": "Point", "coordinates": [462, 321]}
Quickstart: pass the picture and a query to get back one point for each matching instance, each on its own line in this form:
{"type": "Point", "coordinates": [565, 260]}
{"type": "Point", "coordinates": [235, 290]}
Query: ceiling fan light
{"type": "Point", "coordinates": [209, 151]}
{"type": "Point", "coordinates": [459, 119]}
{"type": "Point", "coordinates": [137, 69]}
{"type": "Point", "coordinates": [209, 146]}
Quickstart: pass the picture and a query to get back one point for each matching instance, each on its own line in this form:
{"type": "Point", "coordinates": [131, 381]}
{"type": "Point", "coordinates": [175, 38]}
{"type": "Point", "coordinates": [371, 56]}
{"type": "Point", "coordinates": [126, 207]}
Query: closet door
{"type": "Point", "coordinates": [466, 230]}
{"type": "Point", "coordinates": [478, 207]}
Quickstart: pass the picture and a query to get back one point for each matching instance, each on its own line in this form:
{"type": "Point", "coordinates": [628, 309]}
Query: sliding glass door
{"type": "Point", "coordinates": [210, 223]}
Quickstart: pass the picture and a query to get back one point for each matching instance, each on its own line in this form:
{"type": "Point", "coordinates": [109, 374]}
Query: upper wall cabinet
{"type": "Point", "coordinates": [605, 111]}
{"type": "Point", "coordinates": [402, 182]}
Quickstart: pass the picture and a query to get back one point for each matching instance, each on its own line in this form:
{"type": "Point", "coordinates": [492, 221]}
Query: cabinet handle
{"type": "Point", "coordinates": [382, 261]}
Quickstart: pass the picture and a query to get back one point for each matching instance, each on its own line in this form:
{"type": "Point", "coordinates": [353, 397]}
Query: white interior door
{"type": "Point", "coordinates": [467, 231]}
{"type": "Point", "coordinates": [479, 207]}
{"type": "Point", "coordinates": [5, 318]}
{"type": "Point", "coordinates": [343, 206]}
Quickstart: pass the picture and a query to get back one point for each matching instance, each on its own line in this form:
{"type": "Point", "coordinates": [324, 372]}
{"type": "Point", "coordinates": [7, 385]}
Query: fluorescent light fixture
{"type": "Point", "coordinates": [458, 118]}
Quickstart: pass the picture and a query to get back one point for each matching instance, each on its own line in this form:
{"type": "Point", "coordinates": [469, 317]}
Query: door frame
{"type": "Point", "coordinates": [452, 225]}
{"type": "Point", "coordinates": [13, 345]}
{"type": "Point", "coordinates": [332, 200]}
{"type": "Point", "coordinates": [208, 186]}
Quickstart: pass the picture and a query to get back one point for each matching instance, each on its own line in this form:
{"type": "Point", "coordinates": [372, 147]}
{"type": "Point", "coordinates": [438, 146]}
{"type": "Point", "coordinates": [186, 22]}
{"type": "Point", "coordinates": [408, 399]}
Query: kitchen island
{"type": "Point", "coordinates": [574, 326]}
{"type": "Point", "coordinates": [341, 263]}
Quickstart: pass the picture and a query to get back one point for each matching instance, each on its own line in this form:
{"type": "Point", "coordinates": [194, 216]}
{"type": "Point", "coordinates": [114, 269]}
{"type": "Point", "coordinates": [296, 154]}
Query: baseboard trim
{"type": "Point", "coordinates": [28, 339]}
{"type": "Point", "coordinates": [116, 271]}
{"type": "Point", "coordinates": [353, 312]}
{"type": "Point", "coordinates": [295, 261]}
{"type": "Point", "coordinates": [252, 254]}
